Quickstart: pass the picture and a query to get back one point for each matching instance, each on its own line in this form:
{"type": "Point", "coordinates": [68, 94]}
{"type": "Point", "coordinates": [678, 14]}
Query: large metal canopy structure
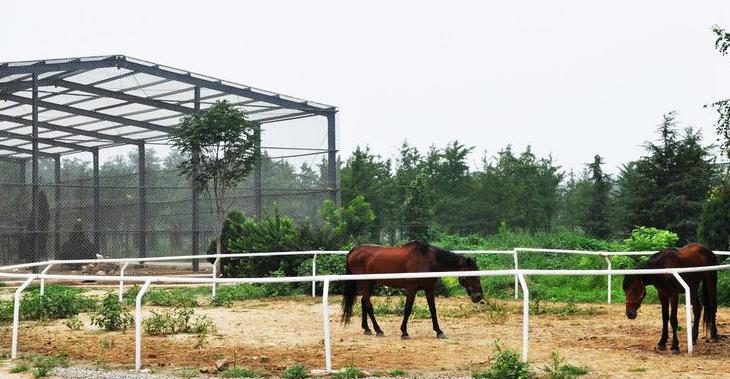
{"type": "Point", "coordinates": [50, 108]}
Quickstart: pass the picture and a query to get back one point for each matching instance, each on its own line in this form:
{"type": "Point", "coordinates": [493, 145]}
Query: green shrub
{"type": "Point", "coordinates": [175, 297]}
{"type": "Point", "coordinates": [21, 367]}
{"type": "Point", "coordinates": [348, 372]}
{"type": "Point", "coordinates": [57, 302]}
{"type": "Point", "coordinates": [112, 315]}
{"type": "Point", "coordinates": [74, 323]}
{"type": "Point", "coordinates": [42, 365]}
{"type": "Point", "coordinates": [397, 373]}
{"type": "Point", "coordinates": [178, 320]}
{"type": "Point", "coordinates": [558, 369]}
{"type": "Point", "coordinates": [238, 372]}
{"type": "Point", "coordinates": [295, 371]}
{"type": "Point", "coordinates": [506, 364]}
{"type": "Point", "coordinates": [649, 239]}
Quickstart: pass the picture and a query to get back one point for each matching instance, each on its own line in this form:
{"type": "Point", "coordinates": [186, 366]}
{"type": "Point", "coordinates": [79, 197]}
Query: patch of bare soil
{"type": "Point", "coordinates": [274, 333]}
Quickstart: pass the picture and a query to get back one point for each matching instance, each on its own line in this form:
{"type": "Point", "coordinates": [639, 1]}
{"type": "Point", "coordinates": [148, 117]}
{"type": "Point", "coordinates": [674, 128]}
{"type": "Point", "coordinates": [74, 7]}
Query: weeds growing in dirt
{"type": "Point", "coordinates": [506, 364]}
{"type": "Point", "coordinates": [112, 315]}
{"type": "Point", "coordinates": [238, 372]}
{"type": "Point", "coordinates": [21, 367]}
{"type": "Point", "coordinates": [42, 365]}
{"type": "Point", "coordinates": [295, 371]}
{"type": "Point", "coordinates": [174, 297]}
{"type": "Point", "coordinates": [348, 372]}
{"type": "Point", "coordinates": [74, 323]}
{"type": "Point", "coordinates": [558, 369]}
{"type": "Point", "coordinates": [188, 372]}
{"type": "Point", "coordinates": [397, 373]}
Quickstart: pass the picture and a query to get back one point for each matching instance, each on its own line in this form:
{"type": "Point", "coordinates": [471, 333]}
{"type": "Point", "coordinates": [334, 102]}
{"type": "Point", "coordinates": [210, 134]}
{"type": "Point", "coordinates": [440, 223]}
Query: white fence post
{"type": "Point", "coordinates": [608, 262]}
{"type": "Point", "coordinates": [43, 279]}
{"type": "Point", "coordinates": [314, 273]}
{"type": "Point", "coordinates": [326, 326]}
{"type": "Point", "coordinates": [121, 281]}
{"type": "Point", "coordinates": [16, 317]}
{"type": "Point", "coordinates": [688, 309]}
{"type": "Point", "coordinates": [215, 275]}
{"type": "Point", "coordinates": [517, 266]}
{"type": "Point", "coordinates": [138, 326]}
{"type": "Point", "coordinates": [525, 316]}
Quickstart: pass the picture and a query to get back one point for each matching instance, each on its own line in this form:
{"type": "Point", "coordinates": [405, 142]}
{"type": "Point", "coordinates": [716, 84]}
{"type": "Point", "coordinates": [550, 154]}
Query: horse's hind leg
{"type": "Point", "coordinates": [662, 344]}
{"type": "Point", "coordinates": [697, 311]}
{"type": "Point", "coordinates": [371, 312]}
{"type": "Point", "coordinates": [673, 320]}
{"type": "Point", "coordinates": [410, 297]}
{"type": "Point", "coordinates": [432, 309]}
{"type": "Point", "coordinates": [365, 305]}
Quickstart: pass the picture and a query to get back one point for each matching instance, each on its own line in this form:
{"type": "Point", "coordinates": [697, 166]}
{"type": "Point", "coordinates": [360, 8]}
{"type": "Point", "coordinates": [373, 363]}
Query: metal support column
{"type": "Point", "coordinates": [57, 213]}
{"type": "Point", "coordinates": [97, 215]}
{"type": "Point", "coordinates": [35, 191]}
{"type": "Point", "coordinates": [258, 193]}
{"type": "Point", "coordinates": [332, 158]}
{"type": "Point", "coordinates": [196, 193]}
{"type": "Point", "coordinates": [142, 203]}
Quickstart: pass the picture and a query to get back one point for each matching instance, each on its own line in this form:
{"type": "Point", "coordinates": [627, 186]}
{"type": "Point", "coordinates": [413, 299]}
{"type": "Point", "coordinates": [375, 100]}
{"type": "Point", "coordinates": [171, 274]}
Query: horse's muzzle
{"type": "Point", "coordinates": [631, 314]}
{"type": "Point", "coordinates": [477, 297]}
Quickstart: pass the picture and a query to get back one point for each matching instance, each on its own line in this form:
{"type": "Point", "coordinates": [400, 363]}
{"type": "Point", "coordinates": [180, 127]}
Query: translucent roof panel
{"type": "Point", "coordinates": [94, 102]}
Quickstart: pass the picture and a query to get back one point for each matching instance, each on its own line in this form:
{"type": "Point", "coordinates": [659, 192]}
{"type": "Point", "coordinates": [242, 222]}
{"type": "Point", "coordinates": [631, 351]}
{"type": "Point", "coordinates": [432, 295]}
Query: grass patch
{"type": "Point", "coordinates": [637, 369]}
{"type": "Point", "coordinates": [42, 365]}
{"type": "Point", "coordinates": [226, 295]}
{"type": "Point", "coordinates": [397, 373]}
{"type": "Point", "coordinates": [238, 372]}
{"type": "Point", "coordinates": [558, 369]}
{"type": "Point", "coordinates": [348, 372]}
{"type": "Point", "coordinates": [188, 372]}
{"type": "Point", "coordinates": [296, 371]}
{"type": "Point", "coordinates": [21, 367]}
{"type": "Point", "coordinates": [174, 297]}
{"type": "Point", "coordinates": [539, 307]}
{"type": "Point", "coordinates": [506, 364]}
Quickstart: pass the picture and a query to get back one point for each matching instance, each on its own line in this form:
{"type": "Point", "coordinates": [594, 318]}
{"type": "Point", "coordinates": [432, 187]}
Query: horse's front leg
{"type": "Point", "coordinates": [697, 311]}
{"type": "Point", "coordinates": [432, 309]}
{"type": "Point", "coordinates": [673, 320]}
{"type": "Point", "coordinates": [410, 297]}
{"type": "Point", "coordinates": [662, 344]}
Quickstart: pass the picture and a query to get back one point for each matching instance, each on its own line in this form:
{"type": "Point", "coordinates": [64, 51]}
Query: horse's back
{"type": "Point", "coordinates": [696, 255]}
{"type": "Point", "coordinates": [377, 259]}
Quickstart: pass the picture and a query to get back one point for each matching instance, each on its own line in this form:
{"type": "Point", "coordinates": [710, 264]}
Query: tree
{"type": "Point", "coordinates": [666, 188]}
{"type": "Point", "coordinates": [219, 144]}
{"type": "Point", "coordinates": [451, 185]}
{"type": "Point", "coordinates": [722, 44]}
{"type": "Point", "coordinates": [595, 220]}
{"type": "Point", "coordinates": [714, 226]}
{"type": "Point", "coordinates": [417, 213]}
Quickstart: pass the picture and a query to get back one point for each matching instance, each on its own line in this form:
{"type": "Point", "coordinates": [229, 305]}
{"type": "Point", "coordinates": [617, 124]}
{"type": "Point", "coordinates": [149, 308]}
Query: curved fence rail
{"type": "Point", "coordinates": [12, 272]}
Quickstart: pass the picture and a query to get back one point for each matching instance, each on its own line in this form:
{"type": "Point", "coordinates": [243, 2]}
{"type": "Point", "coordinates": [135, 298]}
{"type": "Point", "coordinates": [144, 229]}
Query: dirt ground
{"type": "Point", "coordinates": [274, 333]}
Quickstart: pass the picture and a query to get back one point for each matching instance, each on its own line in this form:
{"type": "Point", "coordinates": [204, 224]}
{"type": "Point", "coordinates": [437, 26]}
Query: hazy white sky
{"type": "Point", "coordinates": [571, 78]}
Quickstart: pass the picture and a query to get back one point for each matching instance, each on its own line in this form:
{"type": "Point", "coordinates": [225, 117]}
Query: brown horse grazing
{"type": "Point", "coordinates": [692, 255]}
{"type": "Point", "coordinates": [414, 256]}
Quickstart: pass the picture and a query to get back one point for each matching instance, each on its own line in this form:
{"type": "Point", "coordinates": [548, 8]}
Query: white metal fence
{"type": "Point", "coordinates": [14, 272]}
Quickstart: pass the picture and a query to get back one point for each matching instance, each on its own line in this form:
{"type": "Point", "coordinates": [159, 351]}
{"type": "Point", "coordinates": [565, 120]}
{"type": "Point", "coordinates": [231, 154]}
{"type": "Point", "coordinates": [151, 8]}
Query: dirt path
{"type": "Point", "coordinates": [275, 333]}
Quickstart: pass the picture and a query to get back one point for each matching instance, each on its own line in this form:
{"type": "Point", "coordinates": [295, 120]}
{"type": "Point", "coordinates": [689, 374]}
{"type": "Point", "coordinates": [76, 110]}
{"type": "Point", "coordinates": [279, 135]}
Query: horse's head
{"type": "Point", "coordinates": [635, 291]}
{"type": "Point", "coordinates": [472, 284]}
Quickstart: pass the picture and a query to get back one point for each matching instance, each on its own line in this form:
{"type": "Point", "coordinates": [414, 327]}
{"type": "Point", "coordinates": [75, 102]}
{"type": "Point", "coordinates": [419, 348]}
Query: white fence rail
{"type": "Point", "coordinates": [11, 272]}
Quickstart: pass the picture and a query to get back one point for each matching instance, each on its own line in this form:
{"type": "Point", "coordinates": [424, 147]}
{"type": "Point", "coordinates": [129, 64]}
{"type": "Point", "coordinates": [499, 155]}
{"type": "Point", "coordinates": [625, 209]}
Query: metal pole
{"type": "Point", "coordinates": [314, 273]}
{"type": "Point", "coordinates": [121, 281]}
{"type": "Point", "coordinates": [608, 262]}
{"type": "Point", "coordinates": [257, 190]}
{"type": "Point", "coordinates": [688, 309]}
{"type": "Point", "coordinates": [97, 215]}
{"type": "Point", "coordinates": [215, 275]}
{"type": "Point", "coordinates": [138, 326]}
{"type": "Point", "coordinates": [142, 202]}
{"type": "Point", "coordinates": [57, 213]}
{"type": "Point", "coordinates": [16, 317]}
{"type": "Point", "coordinates": [517, 266]}
{"type": "Point", "coordinates": [43, 279]}
{"type": "Point", "coordinates": [332, 158]}
{"type": "Point", "coordinates": [35, 189]}
{"type": "Point", "coordinates": [525, 316]}
{"type": "Point", "coordinates": [196, 193]}
{"type": "Point", "coordinates": [326, 326]}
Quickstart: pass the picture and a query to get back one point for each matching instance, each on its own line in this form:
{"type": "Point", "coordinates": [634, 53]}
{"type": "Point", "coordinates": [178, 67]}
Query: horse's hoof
{"type": "Point", "coordinates": [405, 337]}
{"type": "Point", "coordinates": [661, 347]}
{"type": "Point", "coordinates": [441, 336]}
{"type": "Point", "coordinates": [367, 332]}
{"type": "Point", "coordinates": [380, 334]}
{"type": "Point", "coordinates": [675, 352]}
{"type": "Point", "coordinates": [712, 340]}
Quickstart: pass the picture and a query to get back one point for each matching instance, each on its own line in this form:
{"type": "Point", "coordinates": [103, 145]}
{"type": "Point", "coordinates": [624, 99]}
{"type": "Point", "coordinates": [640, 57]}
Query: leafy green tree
{"type": "Point", "coordinates": [596, 221]}
{"type": "Point", "coordinates": [666, 188]}
{"type": "Point", "coordinates": [368, 175]}
{"type": "Point", "coordinates": [451, 185]}
{"type": "Point", "coordinates": [417, 213]}
{"type": "Point", "coordinates": [722, 44]}
{"type": "Point", "coordinates": [575, 195]}
{"type": "Point", "coordinates": [352, 223]}
{"type": "Point", "coordinates": [219, 144]}
{"type": "Point", "coordinates": [714, 226]}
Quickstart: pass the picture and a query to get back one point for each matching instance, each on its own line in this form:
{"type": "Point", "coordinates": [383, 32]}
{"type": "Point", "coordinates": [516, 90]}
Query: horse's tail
{"type": "Point", "coordinates": [709, 295]}
{"type": "Point", "coordinates": [348, 296]}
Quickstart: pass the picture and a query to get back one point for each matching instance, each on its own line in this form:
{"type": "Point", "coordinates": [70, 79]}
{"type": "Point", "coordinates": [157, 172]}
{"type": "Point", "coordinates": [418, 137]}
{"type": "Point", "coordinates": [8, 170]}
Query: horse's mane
{"type": "Point", "coordinates": [444, 258]}
{"type": "Point", "coordinates": [656, 258]}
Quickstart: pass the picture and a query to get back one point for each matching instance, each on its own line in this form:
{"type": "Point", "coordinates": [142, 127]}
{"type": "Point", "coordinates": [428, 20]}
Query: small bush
{"type": "Point", "coordinates": [506, 364]}
{"type": "Point", "coordinates": [238, 372]}
{"type": "Point", "coordinates": [176, 297]}
{"type": "Point", "coordinates": [296, 371]}
{"type": "Point", "coordinates": [43, 365]}
{"type": "Point", "coordinates": [178, 320]}
{"type": "Point", "coordinates": [558, 369]}
{"type": "Point", "coordinates": [648, 239]}
{"type": "Point", "coordinates": [57, 302]}
{"type": "Point", "coordinates": [21, 367]}
{"type": "Point", "coordinates": [397, 373]}
{"type": "Point", "coordinates": [111, 315]}
{"type": "Point", "coordinates": [74, 323]}
{"type": "Point", "coordinates": [348, 372]}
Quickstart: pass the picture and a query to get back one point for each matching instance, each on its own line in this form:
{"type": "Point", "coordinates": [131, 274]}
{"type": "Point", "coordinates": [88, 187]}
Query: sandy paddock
{"type": "Point", "coordinates": [273, 333]}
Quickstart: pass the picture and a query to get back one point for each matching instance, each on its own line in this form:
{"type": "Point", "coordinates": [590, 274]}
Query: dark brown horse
{"type": "Point", "coordinates": [414, 256]}
{"type": "Point", "coordinates": [692, 255]}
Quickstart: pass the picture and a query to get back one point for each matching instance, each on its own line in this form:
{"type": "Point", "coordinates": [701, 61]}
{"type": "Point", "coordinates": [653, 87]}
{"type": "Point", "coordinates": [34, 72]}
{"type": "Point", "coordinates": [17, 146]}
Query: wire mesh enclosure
{"type": "Point", "coordinates": [86, 167]}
